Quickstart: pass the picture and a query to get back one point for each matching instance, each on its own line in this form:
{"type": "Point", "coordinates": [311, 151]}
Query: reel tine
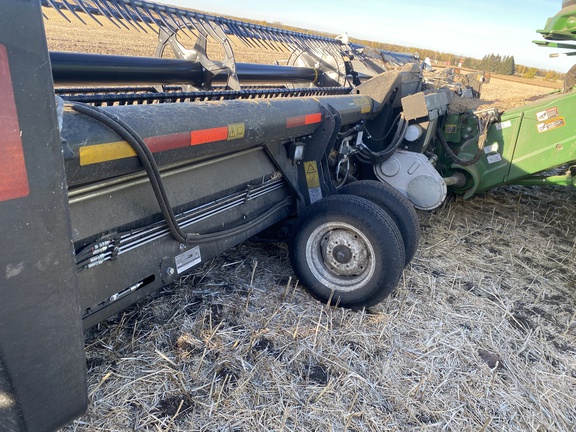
{"type": "Point", "coordinates": [257, 36]}
{"type": "Point", "coordinates": [198, 30]}
{"type": "Point", "coordinates": [151, 17]}
{"type": "Point", "coordinates": [55, 6]}
{"type": "Point", "coordinates": [126, 18]}
{"type": "Point", "coordinates": [144, 20]}
{"type": "Point", "coordinates": [131, 11]}
{"type": "Point", "coordinates": [207, 26]}
{"type": "Point", "coordinates": [173, 14]}
{"type": "Point", "coordinates": [279, 42]}
{"type": "Point", "coordinates": [71, 9]}
{"type": "Point", "coordinates": [85, 9]}
{"type": "Point", "coordinates": [98, 6]}
{"type": "Point", "coordinates": [184, 27]}
{"type": "Point", "coordinates": [158, 19]}
{"type": "Point", "coordinates": [113, 15]}
{"type": "Point", "coordinates": [237, 30]}
{"type": "Point", "coordinates": [187, 22]}
{"type": "Point", "coordinates": [239, 33]}
{"type": "Point", "coordinates": [266, 38]}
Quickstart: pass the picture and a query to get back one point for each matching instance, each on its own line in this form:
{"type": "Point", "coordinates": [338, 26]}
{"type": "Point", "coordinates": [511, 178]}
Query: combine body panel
{"type": "Point", "coordinates": [120, 174]}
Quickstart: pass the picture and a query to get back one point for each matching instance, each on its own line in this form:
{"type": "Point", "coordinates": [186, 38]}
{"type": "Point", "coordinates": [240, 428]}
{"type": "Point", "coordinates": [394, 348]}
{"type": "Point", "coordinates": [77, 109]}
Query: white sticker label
{"type": "Point", "coordinates": [188, 259]}
{"type": "Point", "coordinates": [491, 148]}
{"type": "Point", "coordinates": [503, 125]}
{"type": "Point", "coordinates": [551, 124]}
{"type": "Point", "coordinates": [494, 158]}
{"type": "Point", "coordinates": [315, 194]}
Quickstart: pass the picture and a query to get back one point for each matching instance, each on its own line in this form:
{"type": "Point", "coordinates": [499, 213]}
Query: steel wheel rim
{"type": "Point", "coordinates": [340, 256]}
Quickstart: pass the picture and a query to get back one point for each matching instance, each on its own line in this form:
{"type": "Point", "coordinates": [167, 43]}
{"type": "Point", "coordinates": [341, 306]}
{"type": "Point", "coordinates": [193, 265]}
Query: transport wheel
{"type": "Point", "coordinates": [347, 249]}
{"type": "Point", "coordinates": [395, 204]}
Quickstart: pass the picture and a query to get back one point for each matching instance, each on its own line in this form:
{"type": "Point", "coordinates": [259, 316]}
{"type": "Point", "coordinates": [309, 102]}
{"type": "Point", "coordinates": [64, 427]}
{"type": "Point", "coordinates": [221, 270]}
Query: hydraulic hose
{"type": "Point", "coordinates": [381, 156]}
{"type": "Point", "coordinates": [484, 122]}
{"type": "Point", "coordinates": [453, 155]}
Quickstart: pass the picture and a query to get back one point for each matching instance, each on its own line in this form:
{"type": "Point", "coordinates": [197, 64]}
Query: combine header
{"type": "Point", "coordinates": [119, 174]}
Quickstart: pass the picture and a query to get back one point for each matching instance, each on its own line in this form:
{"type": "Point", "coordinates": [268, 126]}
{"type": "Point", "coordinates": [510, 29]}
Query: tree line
{"type": "Point", "coordinates": [496, 63]}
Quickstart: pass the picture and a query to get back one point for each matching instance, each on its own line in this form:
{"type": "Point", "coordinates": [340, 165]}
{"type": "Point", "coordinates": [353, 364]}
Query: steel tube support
{"type": "Point", "coordinates": [73, 68]}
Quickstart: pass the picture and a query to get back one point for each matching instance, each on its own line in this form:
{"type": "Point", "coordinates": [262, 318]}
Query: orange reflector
{"type": "Point", "coordinates": [13, 176]}
{"type": "Point", "coordinates": [303, 120]}
{"type": "Point", "coordinates": [209, 135]}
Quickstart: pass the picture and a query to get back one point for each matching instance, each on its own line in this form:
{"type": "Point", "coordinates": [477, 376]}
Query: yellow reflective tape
{"type": "Point", "coordinates": [98, 153]}
{"type": "Point", "coordinates": [312, 177]}
{"type": "Point", "coordinates": [236, 131]}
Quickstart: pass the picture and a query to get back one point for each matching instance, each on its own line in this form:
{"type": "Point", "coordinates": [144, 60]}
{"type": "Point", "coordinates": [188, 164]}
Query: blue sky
{"type": "Point", "coordinates": [471, 28]}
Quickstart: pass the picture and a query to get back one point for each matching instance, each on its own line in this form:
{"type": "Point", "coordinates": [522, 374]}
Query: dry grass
{"type": "Point", "coordinates": [480, 335]}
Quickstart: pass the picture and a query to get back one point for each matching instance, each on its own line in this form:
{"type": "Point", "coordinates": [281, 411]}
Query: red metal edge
{"type": "Point", "coordinates": [13, 175]}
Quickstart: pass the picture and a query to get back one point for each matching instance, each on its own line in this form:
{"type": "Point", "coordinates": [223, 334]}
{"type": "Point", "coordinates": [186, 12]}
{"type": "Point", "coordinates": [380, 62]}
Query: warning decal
{"type": "Point", "coordinates": [13, 175]}
{"type": "Point", "coordinates": [311, 170]}
{"type": "Point", "coordinates": [548, 125]}
{"type": "Point", "coordinates": [547, 115]}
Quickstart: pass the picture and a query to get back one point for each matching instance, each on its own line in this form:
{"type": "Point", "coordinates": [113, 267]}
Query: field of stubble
{"type": "Point", "coordinates": [480, 334]}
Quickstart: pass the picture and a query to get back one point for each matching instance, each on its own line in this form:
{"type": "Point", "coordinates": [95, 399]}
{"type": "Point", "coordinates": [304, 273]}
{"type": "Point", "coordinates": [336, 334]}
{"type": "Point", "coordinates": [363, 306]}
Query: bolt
{"type": "Point", "coordinates": [182, 246]}
{"type": "Point", "coordinates": [170, 271]}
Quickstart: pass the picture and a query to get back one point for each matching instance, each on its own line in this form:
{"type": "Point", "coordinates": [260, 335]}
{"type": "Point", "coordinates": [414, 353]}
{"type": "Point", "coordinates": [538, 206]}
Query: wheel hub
{"type": "Point", "coordinates": [344, 253]}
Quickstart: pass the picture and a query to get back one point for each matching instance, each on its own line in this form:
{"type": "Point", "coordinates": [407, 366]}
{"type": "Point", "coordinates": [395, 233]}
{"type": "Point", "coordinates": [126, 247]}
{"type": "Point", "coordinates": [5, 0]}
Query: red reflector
{"type": "Point", "coordinates": [209, 135]}
{"type": "Point", "coordinates": [313, 118]}
{"type": "Point", "coordinates": [13, 176]}
{"type": "Point", "coordinates": [303, 120]}
{"type": "Point", "coordinates": [168, 142]}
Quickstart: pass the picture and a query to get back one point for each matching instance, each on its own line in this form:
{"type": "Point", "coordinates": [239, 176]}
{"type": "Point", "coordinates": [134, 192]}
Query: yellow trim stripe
{"type": "Point", "coordinates": [105, 152]}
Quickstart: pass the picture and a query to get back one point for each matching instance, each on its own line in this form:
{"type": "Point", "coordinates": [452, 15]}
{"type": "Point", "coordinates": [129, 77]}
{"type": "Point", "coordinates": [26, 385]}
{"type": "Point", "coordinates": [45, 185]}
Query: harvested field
{"type": "Point", "coordinates": [480, 334]}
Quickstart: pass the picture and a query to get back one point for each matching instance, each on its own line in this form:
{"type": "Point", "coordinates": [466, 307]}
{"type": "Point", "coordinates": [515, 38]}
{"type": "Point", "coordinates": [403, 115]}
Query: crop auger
{"type": "Point", "coordinates": [119, 174]}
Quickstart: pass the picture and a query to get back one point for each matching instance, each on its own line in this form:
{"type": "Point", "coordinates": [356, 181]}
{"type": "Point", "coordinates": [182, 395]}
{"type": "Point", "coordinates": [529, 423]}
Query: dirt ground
{"type": "Point", "coordinates": [480, 334]}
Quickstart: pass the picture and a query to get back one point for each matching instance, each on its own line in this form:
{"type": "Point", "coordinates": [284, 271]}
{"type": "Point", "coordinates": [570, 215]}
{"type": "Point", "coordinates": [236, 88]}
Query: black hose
{"type": "Point", "coordinates": [381, 156]}
{"type": "Point", "coordinates": [370, 136]}
{"type": "Point", "coordinates": [484, 122]}
{"type": "Point", "coordinates": [453, 155]}
{"type": "Point", "coordinates": [146, 158]}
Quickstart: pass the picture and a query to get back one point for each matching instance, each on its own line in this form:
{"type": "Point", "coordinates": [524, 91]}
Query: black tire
{"type": "Point", "coordinates": [396, 205]}
{"type": "Point", "coordinates": [347, 249]}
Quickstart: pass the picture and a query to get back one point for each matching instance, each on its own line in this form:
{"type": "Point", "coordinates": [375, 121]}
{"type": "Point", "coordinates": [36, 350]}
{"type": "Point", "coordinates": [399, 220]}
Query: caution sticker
{"type": "Point", "coordinates": [548, 114]}
{"type": "Point", "coordinates": [549, 125]}
{"type": "Point", "coordinates": [450, 128]}
{"type": "Point", "coordinates": [236, 131]}
{"type": "Point", "coordinates": [313, 181]}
